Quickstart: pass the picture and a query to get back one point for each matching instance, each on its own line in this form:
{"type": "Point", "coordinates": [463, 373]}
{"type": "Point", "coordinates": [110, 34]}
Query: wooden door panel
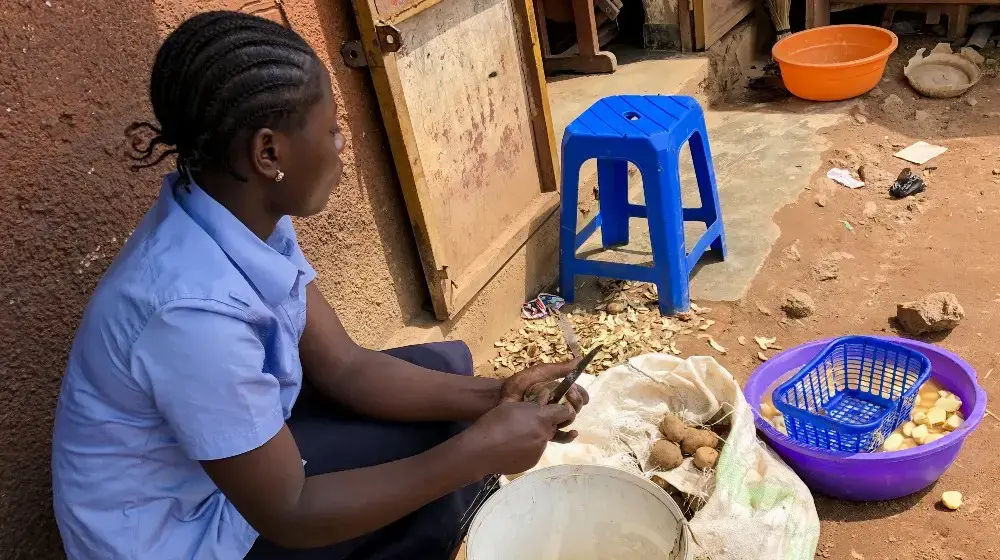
{"type": "Point", "coordinates": [463, 98]}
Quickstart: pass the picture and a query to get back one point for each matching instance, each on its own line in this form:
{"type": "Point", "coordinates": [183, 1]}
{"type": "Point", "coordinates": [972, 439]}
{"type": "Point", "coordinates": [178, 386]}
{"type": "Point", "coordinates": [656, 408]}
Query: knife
{"type": "Point", "coordinates": [569, 380]}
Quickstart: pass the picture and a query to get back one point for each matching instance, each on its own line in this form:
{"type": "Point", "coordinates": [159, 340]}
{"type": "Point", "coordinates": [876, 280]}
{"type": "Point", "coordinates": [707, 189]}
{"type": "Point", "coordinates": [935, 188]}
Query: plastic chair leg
{"type": "Point", "coordinates": [701, 155]}
{"type": "Point", "coordinates": [666, 233]}
{"type": "Point", "coordinates": [612, 187]}
{"type": "Point", "coordinates": [567, 228]}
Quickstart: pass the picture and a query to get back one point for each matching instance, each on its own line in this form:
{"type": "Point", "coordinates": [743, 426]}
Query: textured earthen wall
{"type": "Point", "coordinates": [73, 74]}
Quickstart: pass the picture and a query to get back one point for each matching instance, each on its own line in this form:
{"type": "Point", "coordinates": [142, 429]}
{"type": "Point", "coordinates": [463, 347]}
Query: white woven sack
{"type": "Point", "coordinates": [754, 505]}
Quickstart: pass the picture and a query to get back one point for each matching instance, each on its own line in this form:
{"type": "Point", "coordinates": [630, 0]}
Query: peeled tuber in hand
{"type": "Point", "coordinates": [698, 438]}
{"type": "Point", "coordinates": [665, 456]}
{"type": "Point", "coordinates": [705, 457]}
{"type": "Point", "coordinates": [673, 428]}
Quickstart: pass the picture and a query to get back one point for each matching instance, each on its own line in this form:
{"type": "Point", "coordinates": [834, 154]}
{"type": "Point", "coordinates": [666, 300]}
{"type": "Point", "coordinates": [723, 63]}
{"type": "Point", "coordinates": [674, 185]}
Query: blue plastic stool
{"type": "Point", "coordinates": [649, 132]}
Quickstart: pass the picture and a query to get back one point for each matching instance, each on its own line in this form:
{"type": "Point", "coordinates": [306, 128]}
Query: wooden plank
{"type": "Point", "coordinates": [701, 17]}
{"type": "Point", "coordinates": [485, 267]}
{"type": "Point", "coordinates": [714, 18]}
{"type": "Point", "coordinates": [958, 17]}
{"type": "Point", "coordinates": [534, 45]}
{"type": "Point", "coordinates": [818, 13]}
{"type": "Point", "coordinates": [728, 20]}
{"type": "Point", "coordinates": [402, 142]}
{"type": "Point", "coordinates": [684, 22]}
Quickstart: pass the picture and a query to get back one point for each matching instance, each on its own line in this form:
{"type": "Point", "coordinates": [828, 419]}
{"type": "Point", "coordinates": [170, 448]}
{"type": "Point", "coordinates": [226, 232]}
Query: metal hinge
{"type": "Point", "coordinates": [389, 39]}
{"type": "Point", "coordinates": [354, 54]}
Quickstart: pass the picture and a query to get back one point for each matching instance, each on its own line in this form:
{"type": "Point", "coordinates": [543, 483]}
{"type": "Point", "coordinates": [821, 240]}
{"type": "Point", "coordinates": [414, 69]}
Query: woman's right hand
{"type": "Point", "coordinates": [511, 438]}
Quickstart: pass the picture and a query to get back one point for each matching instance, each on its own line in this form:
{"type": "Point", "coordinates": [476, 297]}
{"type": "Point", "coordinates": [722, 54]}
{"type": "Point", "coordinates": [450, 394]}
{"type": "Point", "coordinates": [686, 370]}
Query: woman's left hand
{"type": "Point", "coordinates": [537, 383]}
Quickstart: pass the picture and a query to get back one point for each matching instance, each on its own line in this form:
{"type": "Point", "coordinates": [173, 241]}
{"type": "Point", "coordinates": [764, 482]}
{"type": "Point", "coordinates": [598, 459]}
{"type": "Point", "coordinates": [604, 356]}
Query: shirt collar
{"type": "Point", "coordinates": [270, 272]}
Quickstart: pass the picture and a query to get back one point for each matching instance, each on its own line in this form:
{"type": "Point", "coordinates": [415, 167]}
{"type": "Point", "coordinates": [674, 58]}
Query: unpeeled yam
{"type": "Point", "coordinates": [705, 457]}
{"type": "Point", "coordinates": [696, 438]}
{"type": "Point", "coordinates": [665, 456]}
{"type": "Point", "coordinates": [673, 428]}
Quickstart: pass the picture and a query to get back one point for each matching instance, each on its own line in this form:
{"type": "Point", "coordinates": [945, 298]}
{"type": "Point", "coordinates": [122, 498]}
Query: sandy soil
{"type": "Point", "coordinates": [942, 240]}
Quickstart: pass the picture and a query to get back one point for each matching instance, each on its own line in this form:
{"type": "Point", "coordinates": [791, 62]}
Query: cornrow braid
{"type": "Point", "coordinates": [220, 73]}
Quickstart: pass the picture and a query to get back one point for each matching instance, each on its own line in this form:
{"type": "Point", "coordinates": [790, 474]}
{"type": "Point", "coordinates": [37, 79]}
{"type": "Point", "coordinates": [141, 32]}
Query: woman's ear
{"type": "Point", "coordinates": [266, 153]}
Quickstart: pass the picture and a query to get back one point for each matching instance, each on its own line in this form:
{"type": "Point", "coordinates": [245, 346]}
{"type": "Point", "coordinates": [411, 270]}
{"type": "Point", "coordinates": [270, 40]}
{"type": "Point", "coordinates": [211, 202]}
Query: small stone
{"type": "Point", "coordinates": [798, 305]}
{"type": "Point", "coordinates": [826, 269]}
{"type": "Point", "coordinates": [937, 312]}
{"type": "Point", "coordinates": [921, 116]}
{"type": "Point", "coordinates": [972, 55]}
{"type": "Point", "coordinates": [971, 101]}
{"type": "Point", "coordinates": [996, 171]}
{"type": "Point", "coordinates": [792, 252]}
{"type": "Point", "coordinates": [861, 119]}
{"type": "Point", "coordinates": [821, 200]}
{"type": "Point", "coordinates": [892, 104]}
{"type": "Point", "coordinates": [870, 210]}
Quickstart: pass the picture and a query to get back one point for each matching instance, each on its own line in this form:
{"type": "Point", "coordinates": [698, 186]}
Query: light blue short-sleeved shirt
{"type": "Point", "coordinates": [188, 351]}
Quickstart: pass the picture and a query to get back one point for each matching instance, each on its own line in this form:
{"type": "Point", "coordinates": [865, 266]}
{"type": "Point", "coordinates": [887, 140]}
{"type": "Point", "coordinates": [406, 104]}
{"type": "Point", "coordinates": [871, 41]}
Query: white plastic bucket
{"type": "Point", "coordinates": [577, 512]}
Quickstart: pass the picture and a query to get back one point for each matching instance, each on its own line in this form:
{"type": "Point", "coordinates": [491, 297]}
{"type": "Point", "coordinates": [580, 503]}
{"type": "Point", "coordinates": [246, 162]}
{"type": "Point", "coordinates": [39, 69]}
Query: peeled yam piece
{"type": "Point", "coordinates": [948, 404]}
{"type": "Point", "coordinates": [768, 411]}
{"type": "Point", "coordinates": [696, 438]}
{"type": "Point", "coordinates": [673, 428]}
{"type": "Point", "coordinates": [952, 500]}
{"type": "Point", "coordinates": [705, 457]}
{"type": "Point", "coordinates": [908, 429]}
{"type": "Point", "coordinates": [936, 416]}
{"type": "Point", "coordinates": [920, 433]}
{"type": "Point", "coordinates": [779, 424]}
{"type": "Point", "coordinates": [931, 438]}
{"type": "Point", "coordinates": [893, 442]}
{"type": "Point", "coordinates": [953, 423]}
{"type": "Point", "coordinates": [665, 455]}
{"type": "Point", "coordinates": [919, 417]}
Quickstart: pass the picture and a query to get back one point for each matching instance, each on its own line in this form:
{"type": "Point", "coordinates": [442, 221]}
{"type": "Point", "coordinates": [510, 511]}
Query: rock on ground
{"type": "Point", "coordinates": [798, 305]}
{"type": "Point", "coordinates": [932, 313]}
{"type": "Point", "coordinates": [870, 210]}
{"type": "Point", "coordinates": [792, 252]}
{"type": "Point", "coordinates": [826, 269]}
{"type": "Point", "coordinates": [893, 105]}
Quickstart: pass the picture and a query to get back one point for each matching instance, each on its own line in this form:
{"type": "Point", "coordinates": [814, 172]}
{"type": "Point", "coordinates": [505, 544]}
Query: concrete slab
{"type": "Point", "coordinates": [764, 156]}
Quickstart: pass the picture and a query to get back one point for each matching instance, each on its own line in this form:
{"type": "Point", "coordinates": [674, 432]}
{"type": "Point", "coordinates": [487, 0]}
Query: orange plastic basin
{"type": "Point", "coordinates": [834, 62]}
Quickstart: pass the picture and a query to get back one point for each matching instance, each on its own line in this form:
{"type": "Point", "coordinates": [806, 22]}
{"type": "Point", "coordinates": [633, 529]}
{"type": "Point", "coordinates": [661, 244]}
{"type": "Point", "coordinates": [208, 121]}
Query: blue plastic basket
{"type": "Point", "coordinates": [852, 395]}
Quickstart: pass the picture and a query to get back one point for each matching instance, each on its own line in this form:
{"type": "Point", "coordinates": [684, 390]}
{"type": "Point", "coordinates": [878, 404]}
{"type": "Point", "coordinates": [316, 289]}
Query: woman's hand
{"type": "Point", "coordinates": [537, 383]}
{"type": "Point", "coordinates": [511, 438]}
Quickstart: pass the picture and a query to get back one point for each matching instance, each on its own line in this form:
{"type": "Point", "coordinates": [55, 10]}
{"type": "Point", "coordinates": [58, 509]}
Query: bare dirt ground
{"type": "Point", "coordinates": [897, 250]}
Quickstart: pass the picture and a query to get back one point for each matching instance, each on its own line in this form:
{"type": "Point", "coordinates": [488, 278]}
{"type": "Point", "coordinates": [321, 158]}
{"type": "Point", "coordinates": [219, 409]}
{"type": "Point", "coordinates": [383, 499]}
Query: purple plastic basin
{"type": "Point", "coordinates": [866, 477]}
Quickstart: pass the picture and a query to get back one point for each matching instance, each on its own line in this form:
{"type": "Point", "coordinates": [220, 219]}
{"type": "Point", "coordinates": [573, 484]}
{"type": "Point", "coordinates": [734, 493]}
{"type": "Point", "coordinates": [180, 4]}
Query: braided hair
{"type": "Point", "coordinates": [220, 73]}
